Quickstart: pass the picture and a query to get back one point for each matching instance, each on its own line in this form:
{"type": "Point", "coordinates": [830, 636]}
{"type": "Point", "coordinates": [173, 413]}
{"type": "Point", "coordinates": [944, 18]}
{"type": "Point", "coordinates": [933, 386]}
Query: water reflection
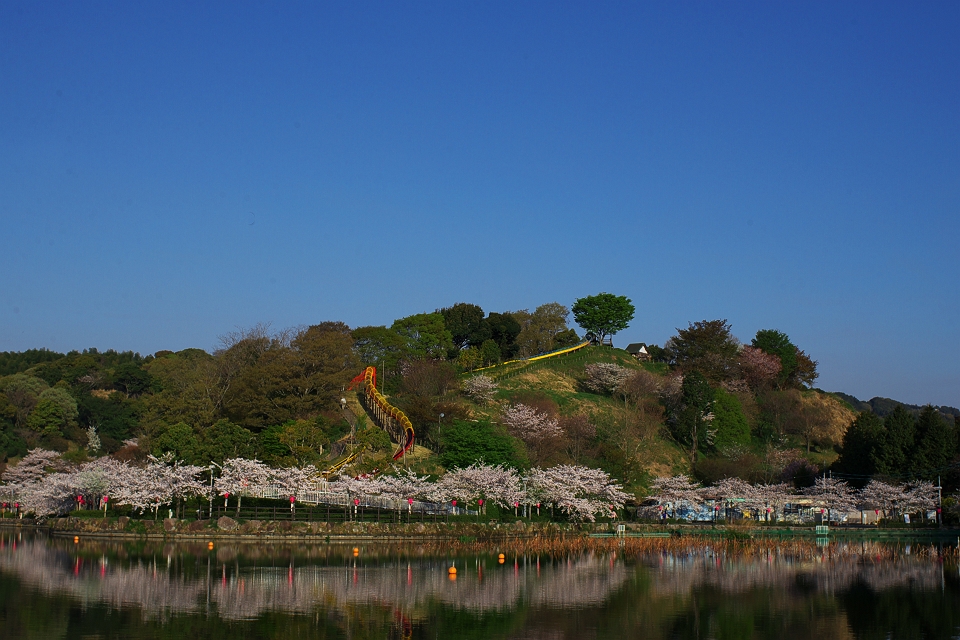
{"type": "Point", "coordinates": [147, 589]}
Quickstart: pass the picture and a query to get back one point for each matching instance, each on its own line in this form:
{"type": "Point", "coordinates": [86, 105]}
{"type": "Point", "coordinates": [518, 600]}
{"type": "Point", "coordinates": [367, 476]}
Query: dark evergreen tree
{"type": "Point", "coordinates": [935, 443]}
{"type": "Point", "coordinates": [861, 442]}
{"type": "Point", "coordinates": [893, 457]}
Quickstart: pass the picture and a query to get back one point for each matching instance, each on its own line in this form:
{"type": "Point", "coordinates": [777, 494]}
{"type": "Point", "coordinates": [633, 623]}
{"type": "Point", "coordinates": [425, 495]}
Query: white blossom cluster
{"type": "Point", "coordinates": [530, 424]}
{"type": "Point", "coordinates": [44, 485]}
{"type": "Point", "coordinates": [579, 492]}
{"type": "Point", "coordinates": [480, 388]}
{"type": "Point", "coordinates": [830, 494]}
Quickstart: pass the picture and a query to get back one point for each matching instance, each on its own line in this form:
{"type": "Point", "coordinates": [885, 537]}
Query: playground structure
{"type": "Point", "coordinates": [394, 421]}
{"type": "Point", "coordinates": [513, 366]}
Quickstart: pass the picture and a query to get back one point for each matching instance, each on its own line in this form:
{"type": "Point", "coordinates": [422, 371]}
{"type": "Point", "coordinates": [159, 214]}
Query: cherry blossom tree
{"type": "Point", "coordinates": [530, 424]}
{"type": "Point", "coordinates": [480, 388]}
{"type": "Point", "coordinates": [239, 474]}
{"type": "Point", "coordinates": [758, 367]}
{"type": "Point", "coordinates": [833, 495]}
{"type": "Point", "coordinates": [579, 492]}
{"type": "Point", "coordinates": [492, 483]}
{"type": "Point", "coordinates": [888, 499]}
{"type": "Point", "coordinates": [676, 491]}
{"type": "Point", "coordinates": [406, 485]}
{"type": "Point", "coordinates": [921, 497]}
{"type": "Point", "coordinates": [605, 377]}
{"type": "Point", "coordinates": [32, 467]}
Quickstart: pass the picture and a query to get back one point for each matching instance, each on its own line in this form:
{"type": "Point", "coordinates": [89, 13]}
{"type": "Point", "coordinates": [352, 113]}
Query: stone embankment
{"type": "Point", "coordinates": [226, 527]}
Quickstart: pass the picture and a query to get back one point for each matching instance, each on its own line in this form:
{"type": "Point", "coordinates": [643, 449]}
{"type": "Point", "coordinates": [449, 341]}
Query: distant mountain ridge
{"type": "Point", "coordinates": [884, 406]}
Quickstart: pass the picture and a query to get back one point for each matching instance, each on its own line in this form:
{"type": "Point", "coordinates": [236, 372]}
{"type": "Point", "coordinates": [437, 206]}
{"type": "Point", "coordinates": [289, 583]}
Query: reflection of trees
{"type": "Point", "coordinates": [697, 592]}
{"type": "Point", "coordinates": [823, 574]}
{"type": "Point", "coordinates": [159, 587]}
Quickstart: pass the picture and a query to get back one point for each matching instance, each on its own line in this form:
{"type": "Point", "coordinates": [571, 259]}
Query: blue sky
{"type": "Point", "coordinates": [169, 172]}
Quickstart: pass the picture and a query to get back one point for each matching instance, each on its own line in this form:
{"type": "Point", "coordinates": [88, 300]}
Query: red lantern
{"type": "Point", "coordinates": [292, 499]}
{"type": "Point", "coordinates": [356, 501]}
{"type": "Point", "coordinates": [454, 502]}
{"type": "Point", "coordinates": [409, 500]}
{"type": "Point", "coordinates": [480, 502]}
{"type": "Point", "coordinates": [226, 494]}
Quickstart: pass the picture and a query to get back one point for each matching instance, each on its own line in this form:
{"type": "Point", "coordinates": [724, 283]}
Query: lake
{"type": "Point", "coordinates": [676, 588]}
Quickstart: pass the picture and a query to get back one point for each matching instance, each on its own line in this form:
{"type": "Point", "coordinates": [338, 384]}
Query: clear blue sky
{"type": "Point", "coordinates": [169, 172]}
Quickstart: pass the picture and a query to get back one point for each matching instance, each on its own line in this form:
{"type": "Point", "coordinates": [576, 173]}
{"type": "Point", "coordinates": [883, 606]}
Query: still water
{"type": "Point", "coordinates": [55, 588]}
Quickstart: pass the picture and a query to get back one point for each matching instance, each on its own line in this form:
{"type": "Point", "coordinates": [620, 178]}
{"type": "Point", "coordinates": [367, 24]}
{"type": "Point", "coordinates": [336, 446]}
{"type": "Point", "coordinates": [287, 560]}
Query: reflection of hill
{"type": "Point", "coordinates": [158, 588]}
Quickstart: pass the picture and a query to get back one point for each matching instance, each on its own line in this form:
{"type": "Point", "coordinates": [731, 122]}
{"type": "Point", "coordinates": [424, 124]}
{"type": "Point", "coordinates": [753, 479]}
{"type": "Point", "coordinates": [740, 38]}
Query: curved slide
{"type": "Point", "coordinates": [542, 356]}
{"type": "Point", "coordinates": [385, 412]}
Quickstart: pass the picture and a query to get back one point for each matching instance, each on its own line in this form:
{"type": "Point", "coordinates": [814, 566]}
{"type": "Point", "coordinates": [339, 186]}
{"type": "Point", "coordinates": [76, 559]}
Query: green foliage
{"type": "Point", "coordinates": [19, 361]}
{"type": "Point", "coordinates": [269, 447]}
{"type": "Point", "coordinates": [729, 423]}
{"type": "Point", "coordinates": [467, 442]}
{"type": "Point", "coordinates": [375, 438]}
{"type": "Point", "coordinates": [936, 443]}
{"type": "Point", "coordinates": [706, 347]}
{"type": "Point", "coordinates": [538, 330]}
{"type": "Point", "coordinates": [861, 443]}
{"type": "Point", "coordinates": [55, 410]}
{"type": "Point", "coordinates": [490, 353]}
{"type": "Point", "coordinates": [504, 330]}
{"type": "Point", "coordinates": [466, 325]}
{"type": "Point", "coordinates": [305, 439]}
{"type": "Point", "coordinates": [182, 441]}
{"type": "Point", "coordinates": [603, 314]}
{"type": "Point", "coordinates": [424, 335]}
{"type": "Point", "coordinates": [778, 344]}
{"type": "Point", "coordinates": [893, 456]}
{"type": "Point", "coordinates": [227, 440]}
{"type": "Point", "coordinates": [115, 417]}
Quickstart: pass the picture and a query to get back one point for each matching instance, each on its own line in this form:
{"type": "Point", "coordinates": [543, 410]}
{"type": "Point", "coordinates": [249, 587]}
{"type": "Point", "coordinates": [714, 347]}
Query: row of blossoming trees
{"type": "Point", "coordinates": [46, 485]}
{"type": "Point", "coordinates": [767, 501]}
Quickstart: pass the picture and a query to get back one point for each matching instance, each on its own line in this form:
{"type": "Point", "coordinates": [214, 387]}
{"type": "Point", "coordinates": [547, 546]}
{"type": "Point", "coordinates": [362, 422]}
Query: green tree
{"type": "Point", "coordinates": [380, 347]}
{"type": "Point", "coordinates": [181, 440]}
{"type": "Point", "coordinates": [797, 368]}
{"type": "Point", "coordinates": [305, 439]}
{"type": "Point", "coordinates": [490, 353]}
{"type": "Point", "coordinates": [861, 442]}
{"type": "Point", "coordinates": [55, 410]}
{"type": "Point", "coordinates": [900, 428]}
{"type": "Point", "coordinates": [603, 314]}
{"type": "Point", "coordinates": [425, 335]}
{"type": "Point", "coordinates": [935, 443]}
{"type": "Point", "coordinates": [467, 442]}
{"type": "Point", "coordinates": [539, 330]}
{"type": "Point", "coordinates": [22, 391]}
{"type": "Point", "coordinates": [504, 330]}
{"type": "Point", "coordinates": [729, 423]}
{"type": "Point", "coordinates": [690, 417]}
{"type": "Point", "coordinates": [226, 440]}
{"type": "Point", "coordinates": [706, 347]}
{"type": "Point", "coordinates": [466, 325]}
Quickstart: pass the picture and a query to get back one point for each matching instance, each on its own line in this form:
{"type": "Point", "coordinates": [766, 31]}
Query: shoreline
{"type": "Point", "coordinates": [227, 528]}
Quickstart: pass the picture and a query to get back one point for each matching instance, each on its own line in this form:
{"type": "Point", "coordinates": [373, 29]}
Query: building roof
{"type": "Point", "coordinates": [637, 347]}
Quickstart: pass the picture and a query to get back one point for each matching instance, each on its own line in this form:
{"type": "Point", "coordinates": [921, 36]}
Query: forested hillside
{"type": "Point", "coordinates": [704, 402]}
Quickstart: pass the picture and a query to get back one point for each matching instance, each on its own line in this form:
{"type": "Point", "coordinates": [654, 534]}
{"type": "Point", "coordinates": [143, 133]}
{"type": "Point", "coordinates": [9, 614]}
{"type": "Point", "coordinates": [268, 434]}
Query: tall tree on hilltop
{"type": "Point", "coordinates": [603, 314]}
{"type": "Point", "coordinates": [797, 368]}
{"type": "Point", "coordinates": [466, 325]}
{"type": "Point", "coordinates": [425, 334]}
{"type": "Point", "coordinates": [707, 347]}
{"type": "Point", "coordinates": [504, 330]}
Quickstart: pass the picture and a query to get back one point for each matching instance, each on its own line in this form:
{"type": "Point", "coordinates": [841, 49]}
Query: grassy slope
{"type": "Point", "coordinates": [560, 379]}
